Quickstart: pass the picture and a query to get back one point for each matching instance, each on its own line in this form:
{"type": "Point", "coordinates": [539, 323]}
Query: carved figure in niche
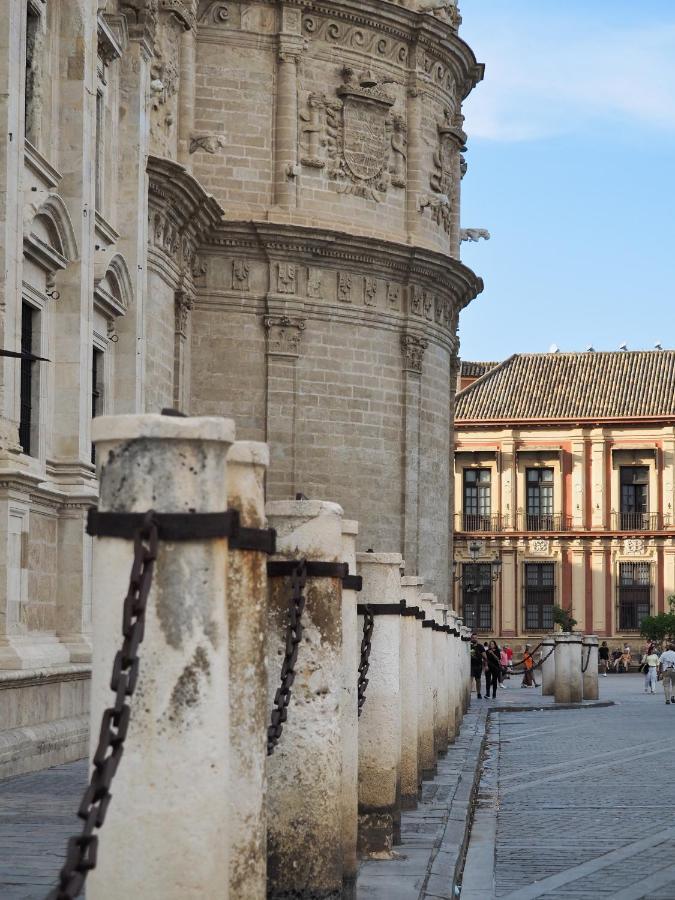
{"type": "Point", "coordinates": [399, 155]}
{"type": "Point", "coordinates": [394, 296]}
{"type": "Point", "coordinates": [345, 287]}
{"type": "Point", "coordinates": [442, 9]}
{"type": "Point", "coordinates": [315, 284]}
{"type": "Point", "coordinates": [240, 273]}
{"type": "Point", "coordinates": [184, 306]}
{"type": "Point", "coordinates": [355, 137]}
{"type": "Point", "coordinates": [314, 130]}
{"type": "Point", "coordinates": [428, 307]}
{"type": "Point", "coordinates": [286, 282]}
{"type": "Point", "coordinates": [210, 143]}
{"type": "Point", "coordinates": [164, 80]}
{"type": "Point", "coordinates": [438, 310]}
{"type": "Point", "coordinates": [370, 291]}
{"type": "Point", "coordinates": [451, 140]}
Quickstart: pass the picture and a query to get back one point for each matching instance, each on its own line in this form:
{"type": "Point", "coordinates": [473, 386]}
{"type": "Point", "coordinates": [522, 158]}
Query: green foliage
{"type": "Point", "coordinates": [661, 627]}
{"type": "Point", "coordinates": [563, 617]}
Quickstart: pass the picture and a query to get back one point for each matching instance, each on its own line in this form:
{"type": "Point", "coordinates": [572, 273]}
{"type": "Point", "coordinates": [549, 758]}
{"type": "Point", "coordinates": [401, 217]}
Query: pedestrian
{"type": "Point", "coordinates": [477, 659]}
{"type": "Point", "coordinates": [626, 658]}
{"type": "Point", "coordinates": [509, 654]}
{"type": "Point", "coordinates": [493, 669]}
{"type": "Point", "coordinates": [504, 672]}
{"type": "Point", "coordinates": [649, 664]}
{"type": "Point", "coordinates": [667, 672]}
{"type": "Point", "coordinates": [528, 665]}
{"type": "Point", "coordinates": [603, 658]}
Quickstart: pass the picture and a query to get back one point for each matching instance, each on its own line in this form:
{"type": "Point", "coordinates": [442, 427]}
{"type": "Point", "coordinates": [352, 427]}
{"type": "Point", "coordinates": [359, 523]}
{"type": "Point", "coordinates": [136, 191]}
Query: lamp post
{"type": "Point", "coordinates": [472, 587]}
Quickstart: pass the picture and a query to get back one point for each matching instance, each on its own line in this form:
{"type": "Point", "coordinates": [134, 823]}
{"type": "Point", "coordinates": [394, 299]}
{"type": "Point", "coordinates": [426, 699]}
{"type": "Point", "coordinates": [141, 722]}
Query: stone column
{"type": "Point", "coordinates": [304, 799]}
{"type": "Point", "coordinates": [186, 102]}
{"type": "Point", "coordinates": [380, 722]}
{"type": "Point", "coordinates": [409, 700]}
{"type": "Point", "coordinates": [286, 132]}
{"type": "Point", "coordinates": [548, 667]}
{"type": "Point", "coordinates": [441, 666]}
{"type": "Point", "coordinates": [411, 587]}
{"type": "Point", "coordinates": [173, 780]}
{"type": "Point", "coordinates": [589, 658]}
{"type": "Point", "coordinates": [428, 749]}
{"type": "Point", "coordinates": [247, 464]}
{"type": "Point", "coordinates": [417, 166]}
{"type": "Point", "coordinates": [568, 685]}
{"type": "Point", "coordinates": [351, 653]}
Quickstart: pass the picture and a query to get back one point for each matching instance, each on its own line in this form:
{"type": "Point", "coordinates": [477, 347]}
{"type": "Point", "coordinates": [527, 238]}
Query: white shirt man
{"type": "Point", "coordinates": [667, 667]}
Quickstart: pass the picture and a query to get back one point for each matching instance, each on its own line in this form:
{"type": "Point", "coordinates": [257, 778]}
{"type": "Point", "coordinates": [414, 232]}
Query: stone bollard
{"type": "Point", "coordinates": [351, 651]}
{"type": "Point", "coordinates": [568, 685]}
{"type": "Point", "coordinates": [304, 794]}
{"type": "Point", "coordinates": [428, 760]}
{"type": "Point", "coordinates": [548, 667]}
{"type": "Point", "coordinates": [410, 626]}
{"type": "Point", "coordinates": [380, 722]}
{"type": "Point", "coordinates": [172, 791]}
{"type": "Point", "coordinates": [589, 661]}
{"type": "Point", "coordinates": [441, 725]}
{"type": "Point", "coordinates": [247, 464]}
{"type": "Point", "coordinates": [411, 588]}
{"type": "Point", "coordinates": [454, 705]}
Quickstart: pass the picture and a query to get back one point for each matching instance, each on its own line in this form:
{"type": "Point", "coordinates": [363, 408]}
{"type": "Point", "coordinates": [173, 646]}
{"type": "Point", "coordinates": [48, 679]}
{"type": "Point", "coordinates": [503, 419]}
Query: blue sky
{"type": "Point", "coordinates": [572, 170]}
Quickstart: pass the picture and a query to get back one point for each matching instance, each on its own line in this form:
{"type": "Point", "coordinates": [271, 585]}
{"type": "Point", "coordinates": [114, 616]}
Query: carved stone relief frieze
{"type": "Point", "coordinates": [209, 143]}
{"type": "Point", "coordinates": [216, 12]}
{"type": "Point", "coordinates": [315, 284]}
{"type": "Point", "coordinates": [370, 291]}
{"type": "Point", "coordinates": [345, 282]}
{"type": "Point", "coordinates": [413, 352]}
{"type": "Point", "coordinates": [634, 546]}
{"type": "Point", "coordinates": [284, 335]}
{"type": "Point", "coordinates": [351, 36]}
{"type": "Point", "coordinates": [394, 296]}
{"type": "Point", "coordinates": [241, 269]}
{"type": "Point", "coordinates": [355, 136]}
{"type": "Point", "coordinates": [287, 275]}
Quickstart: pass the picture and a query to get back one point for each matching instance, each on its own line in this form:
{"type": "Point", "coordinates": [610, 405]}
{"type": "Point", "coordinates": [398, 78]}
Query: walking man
{"type": "Point", "coordinates": [603, 657]}
{"type": "Point", "coordinates": [667, 669]}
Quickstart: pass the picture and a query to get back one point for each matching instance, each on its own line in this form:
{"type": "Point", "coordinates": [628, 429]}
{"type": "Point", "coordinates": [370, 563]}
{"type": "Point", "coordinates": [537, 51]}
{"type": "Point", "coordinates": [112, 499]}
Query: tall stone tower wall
{"type": "Point", "coordinates": [326, 308]}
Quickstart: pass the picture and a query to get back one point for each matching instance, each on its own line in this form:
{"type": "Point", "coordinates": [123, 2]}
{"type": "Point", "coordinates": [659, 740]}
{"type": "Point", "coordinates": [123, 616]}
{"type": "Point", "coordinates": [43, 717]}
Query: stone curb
{"type": "Point", "coordinates": [589, 704]}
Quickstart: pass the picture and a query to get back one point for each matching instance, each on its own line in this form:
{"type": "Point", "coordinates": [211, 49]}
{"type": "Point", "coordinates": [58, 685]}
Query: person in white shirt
{"type": "Point", "coordinates": [650, 663]}
{"type": "Point", "coordinates": [667, 668]}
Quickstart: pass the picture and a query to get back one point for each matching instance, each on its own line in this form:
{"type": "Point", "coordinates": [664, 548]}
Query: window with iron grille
{"type": "Point", "coordinates": [539, 485]}
{"type": "Point", "coordinates": [28, 321]}
{"type": "Point", "coordinates": [634, 497]}
{"type": "Point", "coordinates": [635, 594]}
{"type": "Point", "coordinates": [477, 499]}
{"type": "Point", "coordinates": [477, 596]}
{"type": "Point", "coordinates": [96, 389]}
{"type": "Point", "coordinates": [539, 586]}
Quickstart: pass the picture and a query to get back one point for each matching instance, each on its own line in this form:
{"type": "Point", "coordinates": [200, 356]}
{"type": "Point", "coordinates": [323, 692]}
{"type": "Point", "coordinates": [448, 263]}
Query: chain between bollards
{"type": "Point", "coordinates": [364, 665]}
{"type": "Point", "coordinates": [584, 666]}
{"type": "Point", "coordinates": [82, 848]}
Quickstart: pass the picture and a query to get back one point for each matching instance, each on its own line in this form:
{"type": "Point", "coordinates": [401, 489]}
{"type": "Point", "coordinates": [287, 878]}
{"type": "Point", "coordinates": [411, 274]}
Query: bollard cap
{"type": "Point", "coordinates": [163, 428]}
{"type": "Point", "coordinates": [382, 559]}
{"type": "Point", "coordinates": [412, 581]}
{"type": "Point", "coordinates": [350, 526]}
{"type": "Point", "coordinates": [251, 453]}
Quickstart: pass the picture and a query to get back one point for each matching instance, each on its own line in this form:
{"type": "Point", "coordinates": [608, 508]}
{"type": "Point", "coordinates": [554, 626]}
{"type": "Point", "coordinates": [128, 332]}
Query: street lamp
{"type": "Point", "coordinates": [475, 548]}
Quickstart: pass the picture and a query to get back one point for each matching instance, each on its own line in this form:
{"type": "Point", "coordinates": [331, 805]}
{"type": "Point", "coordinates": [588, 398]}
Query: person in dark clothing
{"type": "Point", "coordinates": [603, 658]}
{"type": "Point", "coordinates": [477, 663]}
{"type": "Point", "coordinates": [493, 669]}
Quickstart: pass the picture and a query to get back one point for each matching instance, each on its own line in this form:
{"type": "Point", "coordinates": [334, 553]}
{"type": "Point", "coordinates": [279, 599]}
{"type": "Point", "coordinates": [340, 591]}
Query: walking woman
{"type": "Point", "coordinates": [477, 661]}
{"type": "Point", "coordinates": [650, 663]}
{"type": "Point", "coordinates": [528, 665]}
{"type": "Point", "coordinates": [494, 666]}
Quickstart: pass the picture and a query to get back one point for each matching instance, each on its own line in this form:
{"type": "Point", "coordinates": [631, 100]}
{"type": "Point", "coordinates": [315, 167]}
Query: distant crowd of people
{"type": "Point", "coordinates": [495, 664]}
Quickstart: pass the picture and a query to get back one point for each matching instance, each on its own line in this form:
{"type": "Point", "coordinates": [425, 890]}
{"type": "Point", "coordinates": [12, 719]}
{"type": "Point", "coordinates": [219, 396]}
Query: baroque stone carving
{"type": "Point", "coordinates": [417, 298]}
{"type": "Point", "coordinates": [394, 296]}
{"type": "Point", "coordinates": [287, 278]}
{"type": "Point", "coordinates": [240, 272]}
{"type": "Point", "coordinates": [315, 284]}
{"type": "Point", "coordinates": [413, 352]}
{"type": "Point", "coordinates": [539, 545]}
{"type": "Point", "coordinates": [345, 281]}
{"type": "Point", "coordinates": [210, 143]}
{"type": "Point", "coordinates": [284, 335]}
{"type": "Point", "coordinates": [474, 234]}
{"type": "Point", "coordinates": [451, 139]}
{"type": "Point", "coordinates": [634, 546]}
{"type": "Point", "coordinates": [355, 137]}
{"type": "Point", "coordinates": [443, 9]}
{"type": "Point", "coordinates": [345, 34]}
{"type": "Point", "coordinates": [184, 304]}
{"type": "Point", "coordinates": [370, 291]}
{"type": "Point", "coordinates": [215, 13]}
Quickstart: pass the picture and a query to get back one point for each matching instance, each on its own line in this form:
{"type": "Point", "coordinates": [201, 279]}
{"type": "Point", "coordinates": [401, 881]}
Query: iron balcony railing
{"type": "Point", "coordinates": [633, 521]}
{"type": "Point", "coordinates": [543, 522]}
{"type": "Point", "coordinates": [473, 522]}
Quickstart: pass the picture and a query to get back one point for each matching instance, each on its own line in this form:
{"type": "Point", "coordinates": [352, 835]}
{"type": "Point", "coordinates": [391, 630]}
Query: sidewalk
{"type": "Point", "coordinates": [576, 803]}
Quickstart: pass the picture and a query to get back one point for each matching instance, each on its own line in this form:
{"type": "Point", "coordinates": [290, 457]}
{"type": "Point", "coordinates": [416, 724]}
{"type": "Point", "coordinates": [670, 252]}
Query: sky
{"type": "Point", "coordinates": [571, 167]}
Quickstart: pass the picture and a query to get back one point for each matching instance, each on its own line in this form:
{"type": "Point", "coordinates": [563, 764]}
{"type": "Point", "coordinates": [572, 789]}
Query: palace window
{"type": "Point", "coordinates": [477, 500]}
{"type": "Point", "coordinates": [27, 389]}
{"type": "Point", "coordinates": [539, 486]}
{"type": "Point", "coordinates": [539, 596]}
{"type": "Point", "coordinates": [477, 596]}
{"type": "Point", "coordinates": [635, 591]}
{"type": "Point", "coordinates": [96, 389]}
{"type": "Point", "coordinates": [634, 498]}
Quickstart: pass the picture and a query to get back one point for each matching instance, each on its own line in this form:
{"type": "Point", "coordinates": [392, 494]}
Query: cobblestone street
{"type": "Point", "coordinates": [577, 804]}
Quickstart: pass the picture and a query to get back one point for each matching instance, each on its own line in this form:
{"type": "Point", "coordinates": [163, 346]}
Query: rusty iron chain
{"type": "Point", "coordinates": [294, 632]}
{"type": "Point", "coordinates": [364, 664]}
{"type": "Point", "coordinates": [535, 666]}
{"type": "Point", "coordinates": [82, 848]}
{"type": "Point", "coordinates": [584, 665]}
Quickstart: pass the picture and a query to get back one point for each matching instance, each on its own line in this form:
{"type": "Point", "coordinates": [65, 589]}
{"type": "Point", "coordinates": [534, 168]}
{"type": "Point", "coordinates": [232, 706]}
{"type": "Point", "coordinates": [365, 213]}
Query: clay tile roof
{"type": "Point", "coordinates": [476, 369]}
{"type": "Point", "coordinates": [588, 385]}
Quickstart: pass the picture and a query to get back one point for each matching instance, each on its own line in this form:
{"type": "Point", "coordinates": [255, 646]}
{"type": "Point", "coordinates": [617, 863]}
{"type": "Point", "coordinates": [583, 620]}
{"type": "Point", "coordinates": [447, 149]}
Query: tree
{"type": "Point", "coordinates": [563, 617]}
{"type": "Point", "coordinates": [661, 627]}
